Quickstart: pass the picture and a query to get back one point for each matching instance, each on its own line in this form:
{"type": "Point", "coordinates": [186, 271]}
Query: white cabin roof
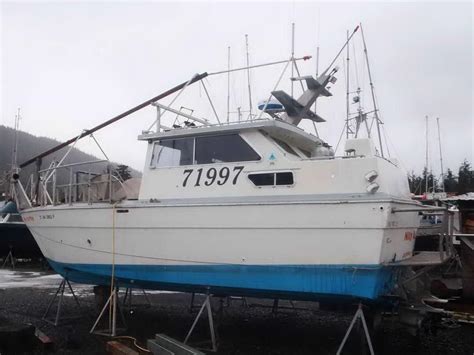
{"type": "Point", "coordinates": [275, 128]}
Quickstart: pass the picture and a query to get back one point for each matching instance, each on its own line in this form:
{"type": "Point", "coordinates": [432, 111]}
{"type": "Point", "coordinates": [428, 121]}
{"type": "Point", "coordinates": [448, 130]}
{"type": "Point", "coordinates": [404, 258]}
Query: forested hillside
{"type": "Point", "coordinates": [30, 145]}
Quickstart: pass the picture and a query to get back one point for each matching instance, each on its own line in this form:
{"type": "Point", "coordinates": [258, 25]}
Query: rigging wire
{"type": "Point", "coordinates": [210, 101]}
{"type": "Point", "coordinates": [340, 137]}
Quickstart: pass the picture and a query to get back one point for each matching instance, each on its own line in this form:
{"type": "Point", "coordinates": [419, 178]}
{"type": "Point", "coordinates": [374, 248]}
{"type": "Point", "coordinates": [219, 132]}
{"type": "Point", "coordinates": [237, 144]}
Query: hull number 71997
{"type": "Point", "coordinates": [210, 176]}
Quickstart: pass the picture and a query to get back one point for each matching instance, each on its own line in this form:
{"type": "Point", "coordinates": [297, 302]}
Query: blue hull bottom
{"type": "Point", "coordinates": [308, 282]}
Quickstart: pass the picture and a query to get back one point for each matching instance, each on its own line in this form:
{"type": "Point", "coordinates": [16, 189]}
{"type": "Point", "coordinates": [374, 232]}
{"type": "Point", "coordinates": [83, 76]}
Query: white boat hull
{"type": "Point", "coordinates": [306, 249]}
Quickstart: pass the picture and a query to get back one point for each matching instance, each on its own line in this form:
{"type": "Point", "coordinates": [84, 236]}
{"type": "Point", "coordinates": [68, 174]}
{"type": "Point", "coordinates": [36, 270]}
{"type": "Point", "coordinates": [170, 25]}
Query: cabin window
{"type": "Point", "coordinates": [202, 150]}
{"type": "Point", "coordinates": [272, 179]}
{"type": "Point", "coordinates": [224, 148]}
{"type": "Point", "coordinates": [305, 152]}
{"type": "Point", "coordinates": [285, 146]}
{"type": "Point", "coordinates": [173, 152]}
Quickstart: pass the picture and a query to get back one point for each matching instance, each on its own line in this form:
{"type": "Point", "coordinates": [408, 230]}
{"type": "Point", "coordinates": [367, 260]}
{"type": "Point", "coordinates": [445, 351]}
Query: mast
{"type": "Point", "coordinates": [316, 102]}
{"type": "Point", "coordinates": [228, 83]}
{"type": "Point", "coordinates": [376, 112]}
{"type": "Point", "coordinates": [248, 75]}
{"type": "Point", "coordinates": [440, 155]}
{"type": "Point", "coordinates": [347, 90]}
{"type": "Point", "coordinates": [15, 142]}
{"type": "Point", "coordinates": [427, 155]}
{"type": "Point", "coordinates": [292, 55]}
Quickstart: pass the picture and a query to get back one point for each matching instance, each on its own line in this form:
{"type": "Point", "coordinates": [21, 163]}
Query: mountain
{"type": "Point", "coordinates": [30, 145]}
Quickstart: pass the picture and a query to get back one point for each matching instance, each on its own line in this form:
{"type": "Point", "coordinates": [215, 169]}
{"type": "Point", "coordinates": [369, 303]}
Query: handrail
{"type": "Point", "coordinates": [74, 164]}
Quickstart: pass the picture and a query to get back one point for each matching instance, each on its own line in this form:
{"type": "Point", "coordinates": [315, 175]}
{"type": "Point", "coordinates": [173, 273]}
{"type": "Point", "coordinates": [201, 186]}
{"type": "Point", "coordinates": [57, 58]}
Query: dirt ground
{"type": "Point", "coordinates": [242, 329]}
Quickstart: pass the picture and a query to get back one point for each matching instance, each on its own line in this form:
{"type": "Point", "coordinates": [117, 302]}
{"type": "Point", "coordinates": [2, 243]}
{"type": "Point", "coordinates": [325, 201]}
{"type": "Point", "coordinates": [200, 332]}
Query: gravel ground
{"type": "Point", "coordinates": [254, 329]}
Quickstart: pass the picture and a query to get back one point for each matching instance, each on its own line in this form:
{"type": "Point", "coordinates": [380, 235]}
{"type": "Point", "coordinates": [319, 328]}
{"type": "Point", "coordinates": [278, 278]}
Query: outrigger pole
{"type": "Point", "coordinates": [38, 158]}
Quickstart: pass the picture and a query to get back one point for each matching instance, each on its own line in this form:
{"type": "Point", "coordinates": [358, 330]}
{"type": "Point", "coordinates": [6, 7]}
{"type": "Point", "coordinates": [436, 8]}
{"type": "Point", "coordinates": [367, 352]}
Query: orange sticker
{"type": "Point", "coordinates": [409, 236]}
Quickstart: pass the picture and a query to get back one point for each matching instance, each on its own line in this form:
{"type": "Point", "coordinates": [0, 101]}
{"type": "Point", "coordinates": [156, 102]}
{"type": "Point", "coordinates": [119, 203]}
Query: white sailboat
{"type": "Point", "coordinates": [258, 207]}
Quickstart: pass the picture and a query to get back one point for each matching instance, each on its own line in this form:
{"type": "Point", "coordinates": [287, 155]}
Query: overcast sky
{"type": "Point", "coordinates": [72, 65]}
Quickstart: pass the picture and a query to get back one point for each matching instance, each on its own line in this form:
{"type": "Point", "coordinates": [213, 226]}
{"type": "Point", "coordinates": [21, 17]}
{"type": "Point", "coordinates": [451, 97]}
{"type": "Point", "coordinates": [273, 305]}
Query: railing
{"type": "Point", "coordinates": [83, 186]}
{"type": "Point", "coordinates": [445, 229]}
{"type": "Point", "coordinates": [10, 217]}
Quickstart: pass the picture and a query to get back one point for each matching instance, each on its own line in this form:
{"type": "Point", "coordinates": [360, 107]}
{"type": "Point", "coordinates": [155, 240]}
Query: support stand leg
{"type": "Point", "coordinates": [147, 298]}
{"type": "Point", "coordinates": [60, 292]}
{"type": "Point", "coordinates": [112, 328]}
{"type": "Point", "coordinates": [191, 306]}
{"type": "Point", "coordinates": [275, 306]}
{"type": "Point", "coordinates": [206, 304]}
{"type": "Point", "coordinates": [10, 258]}
{"type": "Point", "coordinates": [127, 298]}
{"type": "Point", "coordinates": [358, 314]}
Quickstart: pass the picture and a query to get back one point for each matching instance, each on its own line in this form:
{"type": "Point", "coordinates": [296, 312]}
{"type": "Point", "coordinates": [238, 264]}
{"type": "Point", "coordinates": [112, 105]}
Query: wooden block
{"type": "Point", "coordinates": [44, 340]}
{"type": "Point", "coordinates": [116, 348]}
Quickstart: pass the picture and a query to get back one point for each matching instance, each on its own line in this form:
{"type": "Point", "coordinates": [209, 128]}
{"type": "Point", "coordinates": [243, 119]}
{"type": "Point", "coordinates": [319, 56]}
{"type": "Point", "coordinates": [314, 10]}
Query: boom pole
{"type": "Point", "coordinates": [197, 77]}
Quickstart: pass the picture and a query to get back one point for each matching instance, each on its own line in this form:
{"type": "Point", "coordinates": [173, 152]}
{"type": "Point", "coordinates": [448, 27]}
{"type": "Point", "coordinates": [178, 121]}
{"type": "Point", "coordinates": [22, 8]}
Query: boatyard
{"type": "Point", "coordinates": [244, 329]}
{"type": "Point", "coordinates": [307, 195]}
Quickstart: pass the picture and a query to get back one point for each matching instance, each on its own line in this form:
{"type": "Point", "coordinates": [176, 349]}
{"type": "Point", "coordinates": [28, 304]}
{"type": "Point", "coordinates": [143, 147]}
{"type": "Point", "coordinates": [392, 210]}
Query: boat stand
{"type": "Point", "coordinates": [10, 258]}
{"type": "Point", "coordinates": [276, 306]}
{"type": "Point", "coordinates": [60, 295]}
{"type": "Point", "coordinates": [231, 298]}
{"type": "Point", "coordinates": [127, 298]}
{"type": "Point", "coordinates": [112, 330]}
{"type": "Point", "coordinates": [207, 305]}
{"type": "Point", "coordinates": [358, 314]}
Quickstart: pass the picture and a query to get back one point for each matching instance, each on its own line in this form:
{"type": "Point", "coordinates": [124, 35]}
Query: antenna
{"type": "Point", "coordinates": [376, 113]}
{"type": "Point", "coordinates": [427, 155]}
{"type": "Point", "coordinates": [228, 83]}
{"type": "Point", "coordinates": [440, 155]}
{"type": "Point", "coordinates": [248, 74]}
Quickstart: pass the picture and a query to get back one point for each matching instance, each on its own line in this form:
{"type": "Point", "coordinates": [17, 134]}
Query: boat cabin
{"type": "Point", "coordinates": [255, 158]}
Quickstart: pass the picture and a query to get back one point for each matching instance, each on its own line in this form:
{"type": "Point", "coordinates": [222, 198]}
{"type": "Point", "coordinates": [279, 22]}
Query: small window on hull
{"type": "Point", "coordinates": [262, 179]}
{"type": "Point", "coordinates": [284, 178]}
{"type": "Point", "coordinates": [272, 179]}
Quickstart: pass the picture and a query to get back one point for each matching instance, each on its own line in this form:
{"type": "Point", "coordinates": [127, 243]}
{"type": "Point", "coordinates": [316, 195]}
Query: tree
{"type": "Point", "coordinates": [122, 172]}
{"type": "Point", "coordinates": [415, 182]}
{"type": "Point", "coordinates": [450, 182]}
{"type": "Point", "coordinates": [466, 178]}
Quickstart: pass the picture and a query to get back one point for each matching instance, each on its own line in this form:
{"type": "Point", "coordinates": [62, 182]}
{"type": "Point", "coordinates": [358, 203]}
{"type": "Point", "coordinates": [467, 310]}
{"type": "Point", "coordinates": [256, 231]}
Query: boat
{"type": "Point", "coordinates": [16, 241]}
{"type": "Point", "coordinates": [255, 208]}
{"type": "Point", "coordinates": [15, 238]}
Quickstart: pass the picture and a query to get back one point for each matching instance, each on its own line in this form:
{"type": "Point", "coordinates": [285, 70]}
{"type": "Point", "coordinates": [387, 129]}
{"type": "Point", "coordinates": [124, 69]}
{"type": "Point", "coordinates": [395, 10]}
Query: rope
{"type": "Point", "coordinates": [135, 343]}
{"type": "Point", "coordinates": [112, 274]}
